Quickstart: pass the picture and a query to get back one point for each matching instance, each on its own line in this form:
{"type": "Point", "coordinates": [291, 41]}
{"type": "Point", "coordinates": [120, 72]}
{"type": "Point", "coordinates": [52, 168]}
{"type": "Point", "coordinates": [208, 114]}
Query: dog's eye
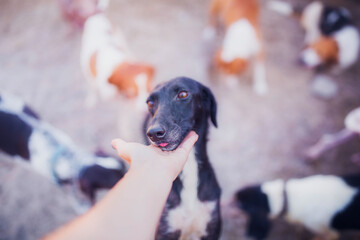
{"type": "Point", "coordinates": [182, 94]}
{"type": "Point", "coordinates": [150, 104]}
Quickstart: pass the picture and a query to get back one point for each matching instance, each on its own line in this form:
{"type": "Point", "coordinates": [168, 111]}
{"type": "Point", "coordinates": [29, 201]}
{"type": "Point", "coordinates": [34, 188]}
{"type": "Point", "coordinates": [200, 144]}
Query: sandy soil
{"type": "Point", "coordinates": [258, 138]}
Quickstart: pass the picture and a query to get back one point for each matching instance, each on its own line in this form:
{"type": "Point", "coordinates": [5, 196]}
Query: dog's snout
{"type": "Point", "coordinates": [156, 133]}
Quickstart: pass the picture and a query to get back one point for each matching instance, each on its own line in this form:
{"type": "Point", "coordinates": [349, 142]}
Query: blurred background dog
{"type": "Point", "coordinates": [331, 38]}
{"type": "Point", "coordinates": [52, 153]}
{"type": "Point", "coordinates": [109, 66]}
{"type": "Point", "coordinates": [325, 204]}
{"type": "Point", "coordinates": [242, 42]}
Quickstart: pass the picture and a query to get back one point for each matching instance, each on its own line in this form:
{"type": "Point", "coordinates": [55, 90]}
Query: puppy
{"type": "Point", "coordinates": [324, 204]}
{"type": "Point", "coordinates": [331, 39]}
{"type": "Point", "coordinates": [52, 153]}
{"type": "Point", "coordinates": [108, 65]}
{"type": "Point", "coordinates": [175, 108]}
{"type": "Point", "coordinates": [243, 42]}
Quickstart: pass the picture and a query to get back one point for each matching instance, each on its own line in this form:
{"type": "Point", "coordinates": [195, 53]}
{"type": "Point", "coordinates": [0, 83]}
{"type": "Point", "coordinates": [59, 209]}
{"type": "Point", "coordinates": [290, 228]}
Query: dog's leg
{"type": "Point", "coordinates": [260, 85]}
{"type": "Point", "coordinates": [327, 142]}
{"type": "Point", "coordinates": [356, 158]}
{"type": "Point", "coordinates": [91, 98]}
{"type": "Point", "coordinates": [209, 32]}
{"type": "Point", "coordinates": [215, 8]}
{"type": "Point", "coordinates": [259, 72]}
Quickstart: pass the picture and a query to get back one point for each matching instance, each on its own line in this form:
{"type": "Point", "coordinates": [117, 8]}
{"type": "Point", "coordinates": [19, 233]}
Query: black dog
{"type": "Point", "coordinates": [52, 153]}
{"type": "Point", "coordinates": [192, 210]}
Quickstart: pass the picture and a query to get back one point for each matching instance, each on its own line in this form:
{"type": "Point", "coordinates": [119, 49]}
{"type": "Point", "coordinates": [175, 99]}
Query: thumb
{"type": "Point", "coordinates": [187, 144]}
{"type": "Point", "coordinates": [123, 148]}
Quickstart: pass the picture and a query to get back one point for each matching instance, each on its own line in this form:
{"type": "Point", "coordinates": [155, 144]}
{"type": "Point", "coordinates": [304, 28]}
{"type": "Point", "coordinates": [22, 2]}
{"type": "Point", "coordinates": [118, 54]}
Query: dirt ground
{"type": "Point", "coordinates": [258, 138]}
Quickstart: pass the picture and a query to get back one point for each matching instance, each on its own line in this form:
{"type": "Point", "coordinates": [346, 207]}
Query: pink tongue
{"type": "Point", "coordinates": [163, 144]}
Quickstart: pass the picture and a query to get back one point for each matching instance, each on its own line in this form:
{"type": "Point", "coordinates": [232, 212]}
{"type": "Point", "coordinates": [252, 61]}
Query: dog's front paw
{"type": "Point", "coordinates": [261, 88]}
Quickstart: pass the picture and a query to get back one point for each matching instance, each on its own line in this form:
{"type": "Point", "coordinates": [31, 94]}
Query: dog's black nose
{"type": "Point", "coordinates": [156, 132]}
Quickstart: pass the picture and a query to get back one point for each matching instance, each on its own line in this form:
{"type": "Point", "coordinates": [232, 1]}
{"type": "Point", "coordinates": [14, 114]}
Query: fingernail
{"type": "Point", "coordinates": [195, 134]}
{"type": "Point", "coordinates": [113, 144]}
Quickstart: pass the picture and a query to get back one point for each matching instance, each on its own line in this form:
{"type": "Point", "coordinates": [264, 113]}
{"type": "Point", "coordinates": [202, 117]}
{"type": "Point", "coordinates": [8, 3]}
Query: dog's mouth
{"type": "Point", "coordinates": [163, 144]}
{"type": "Point", "coordinates": [171, 141]}
{"type": "Point", "coordinates": [167, 146]}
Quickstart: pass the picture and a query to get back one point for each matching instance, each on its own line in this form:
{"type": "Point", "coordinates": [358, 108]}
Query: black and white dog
{"type": "Point", "coordinates": [324, 204]}
{"type": "Point", "coordinates": [192, 210]}
{"type": "Point", "coordinates": [331, 38]}
{"type": "Point", "coordinates": [52, 153]}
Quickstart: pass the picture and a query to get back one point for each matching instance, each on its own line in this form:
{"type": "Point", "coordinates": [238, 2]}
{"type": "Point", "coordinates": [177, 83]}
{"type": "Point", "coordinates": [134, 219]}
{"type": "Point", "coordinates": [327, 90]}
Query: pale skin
{"type": "Point", "coordinates": [132, 208]}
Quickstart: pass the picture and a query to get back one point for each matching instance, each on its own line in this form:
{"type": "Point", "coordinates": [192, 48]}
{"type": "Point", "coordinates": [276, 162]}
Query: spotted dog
{"type": "Point", "coordinates": [52, 153]}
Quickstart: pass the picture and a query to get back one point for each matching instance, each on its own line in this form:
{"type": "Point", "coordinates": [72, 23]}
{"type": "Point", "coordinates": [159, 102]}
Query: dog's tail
{"type": "Point", "coordinates": [284, 8]}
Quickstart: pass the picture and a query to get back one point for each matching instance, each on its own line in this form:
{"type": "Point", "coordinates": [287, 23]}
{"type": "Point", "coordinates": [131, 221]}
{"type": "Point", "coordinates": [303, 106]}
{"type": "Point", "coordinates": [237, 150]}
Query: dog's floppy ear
{"type": "Point", "coordinates": [259, 225]}
{"type": "Point", "coordinates": [209, 103]}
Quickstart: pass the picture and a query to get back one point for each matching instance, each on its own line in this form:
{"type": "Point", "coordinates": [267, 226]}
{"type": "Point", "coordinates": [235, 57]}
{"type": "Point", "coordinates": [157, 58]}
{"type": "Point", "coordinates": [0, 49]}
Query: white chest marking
{"type": "Point", "coordinates": [40, 152]}
{"type": "Point", "coordinates": [313, 201]}
{"type": "Point", "coordinates": [348, 41]}
{"type": "Point", "coordinates": [191, 216]}
{"type": "Point", "coordinates": [240, 41]}
{"type": "Point", "coordinates": [275, 192]}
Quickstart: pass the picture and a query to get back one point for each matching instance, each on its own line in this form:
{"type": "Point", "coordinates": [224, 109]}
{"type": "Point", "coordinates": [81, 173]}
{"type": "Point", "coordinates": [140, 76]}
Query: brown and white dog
{"type": "Point", "coordinates": [331, 39]}
{"type": "Point", "coordinates": [242, 42]}
{"type": "Point", "coordinates": [108, 64]}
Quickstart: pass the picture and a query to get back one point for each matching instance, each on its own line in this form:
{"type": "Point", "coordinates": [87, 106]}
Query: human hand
{"type": "Point", "coordinates": [152, 158]}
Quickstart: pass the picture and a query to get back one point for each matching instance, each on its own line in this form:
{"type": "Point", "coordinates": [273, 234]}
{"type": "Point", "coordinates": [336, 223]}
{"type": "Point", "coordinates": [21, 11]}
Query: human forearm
{"type": "Point", "coordinates": [142, 202]}
{"type": "Point", "coordinates": [131, 210]}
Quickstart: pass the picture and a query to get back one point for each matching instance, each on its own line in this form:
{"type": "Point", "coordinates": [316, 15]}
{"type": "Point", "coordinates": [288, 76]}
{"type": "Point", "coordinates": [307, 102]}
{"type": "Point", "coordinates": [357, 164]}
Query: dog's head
{"type": "Point", "coordinates": [254, 202]}
{"type": "Point", "coordinates": [177, 107]}
{"type": "Point", "coordinates": [333, 19]}
{"type": "Point", "coordinates": [133, 79]}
